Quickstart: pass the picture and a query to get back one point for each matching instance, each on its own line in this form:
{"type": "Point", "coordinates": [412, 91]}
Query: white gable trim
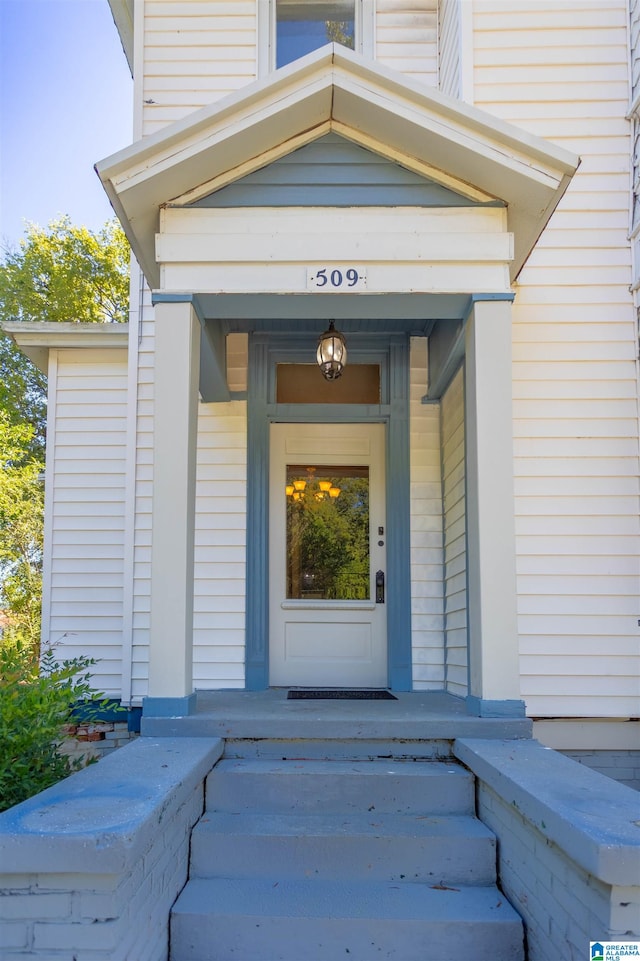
{"type": "Point", "coordinates": [37, 338]}
{"type": "Point", "coordinates": [361, 100]}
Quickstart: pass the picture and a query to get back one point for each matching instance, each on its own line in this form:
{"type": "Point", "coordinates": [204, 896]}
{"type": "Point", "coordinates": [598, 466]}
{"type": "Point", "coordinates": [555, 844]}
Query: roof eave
{"type": "Point", "coordinates": [36, 338]}
{"type": "Point", "coordinates": [333, 85]}
{"type": "Point", "coordinates": [122, 12]}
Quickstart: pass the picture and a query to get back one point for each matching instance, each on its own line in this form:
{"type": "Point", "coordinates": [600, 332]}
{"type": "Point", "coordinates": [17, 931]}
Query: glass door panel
{"type": "Point", "coordinates": [327, 533]}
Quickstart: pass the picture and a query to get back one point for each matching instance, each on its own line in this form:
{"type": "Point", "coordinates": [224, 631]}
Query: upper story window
{"type": "Point", "coordinates": [303, 26]}
{"type": "Point", "coordinates": [290, 29]}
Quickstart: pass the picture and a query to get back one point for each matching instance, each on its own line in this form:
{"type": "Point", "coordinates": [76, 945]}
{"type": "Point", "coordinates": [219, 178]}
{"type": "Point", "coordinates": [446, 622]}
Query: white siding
{"type": "Point", "coordinates": [83, 610]}
{"type": "Point", "coordinates": [455, 547]}
{"type": "Point", "coordinates": [426, 530]}
{"type": "Point", "coordinates": [406, 33]}
{"type": "Point", "coordinates": [219, 593]}
{"type": "Point", "coordinates": [449, 47]}
{"type": "Point", "coordinates": [559, 69]}
{"type": "Point", "coordinates": [634, 96]}
{"type": "Point", "coordinates": [195, 52]}
{"type": "Point", "coordinates": [143, 496]}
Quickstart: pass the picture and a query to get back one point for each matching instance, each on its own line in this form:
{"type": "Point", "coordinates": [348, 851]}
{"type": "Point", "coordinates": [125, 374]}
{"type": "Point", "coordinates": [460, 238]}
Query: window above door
{"type": "Point", "coordinates": [290, 29]}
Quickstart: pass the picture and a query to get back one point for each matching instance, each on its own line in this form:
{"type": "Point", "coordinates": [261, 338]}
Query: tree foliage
{"type": "Point", "coordinates": [23, 393]}
{"type": "Point", "coordinates": [37, 701]}
{"type": "Point", "coordinates": [58, 273]}
{"type": "Point", "coordinates": [66, 273]}
{"type": "Point", "coordinates": [328, 542]}
{"type": "Point", "coordinates": [21, 528]}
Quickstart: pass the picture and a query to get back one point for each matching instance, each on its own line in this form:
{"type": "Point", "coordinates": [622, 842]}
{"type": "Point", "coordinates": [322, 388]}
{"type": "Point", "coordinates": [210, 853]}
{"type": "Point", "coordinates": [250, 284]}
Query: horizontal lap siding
{"type": "Point", "coordinates": [219, 593]}
{"type": "Point", "coordinates": [84, 611]}
{"type": "Point", "coordinates": [455, 547]}
{"type": "Point", "coordinates": [143, 503]}
{"type": "Point", "coordinates": [333, 172]}
{"type": "Point", "coordinates": [426, 530]}
{"type": "Point", "coordinates": [634, 10]}
{"type": "Point", "coordinates": [559, 70]}
{"type": "Point", "coordinates": [449, 47]}
{"type": "Point", "coordinates": [219, 573]}
{"type": "Point", "coordinates": [406, 35]}
{"type": "Point", "coordinates": [194, 54]}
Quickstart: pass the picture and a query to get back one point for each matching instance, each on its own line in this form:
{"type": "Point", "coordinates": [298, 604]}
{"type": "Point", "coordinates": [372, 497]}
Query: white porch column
{"type": "Point", "coordinates": [491, 557]}
{"type": "Point", "coordinates": [176, 375]}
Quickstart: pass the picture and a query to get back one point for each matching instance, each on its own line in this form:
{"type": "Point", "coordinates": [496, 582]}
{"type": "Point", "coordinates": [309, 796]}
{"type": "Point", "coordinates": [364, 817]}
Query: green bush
{"type": "Point", "coordinates": [37, 700]}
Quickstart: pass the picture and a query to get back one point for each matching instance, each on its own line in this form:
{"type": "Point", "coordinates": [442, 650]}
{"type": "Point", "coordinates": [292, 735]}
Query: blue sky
{"type": "Point", "coordinates": [65, 103]}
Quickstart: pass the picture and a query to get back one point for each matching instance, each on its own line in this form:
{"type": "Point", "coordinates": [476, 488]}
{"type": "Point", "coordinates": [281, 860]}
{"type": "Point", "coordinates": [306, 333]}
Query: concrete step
{"type": "Point", "coordinates": [282, 920]}
{"type": "Point", "coordinates": [334, 787]}
{"type": "Point", "coordinates": [376, 846]}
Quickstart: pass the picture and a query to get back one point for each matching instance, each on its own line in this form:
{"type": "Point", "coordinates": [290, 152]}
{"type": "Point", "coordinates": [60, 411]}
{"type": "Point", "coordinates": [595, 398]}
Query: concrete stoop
{"type": "Point", "coordinates": [328, 859]}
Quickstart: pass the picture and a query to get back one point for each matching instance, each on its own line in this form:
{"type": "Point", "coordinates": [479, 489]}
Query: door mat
{"type": "Point", "coordinates": [314, 695]}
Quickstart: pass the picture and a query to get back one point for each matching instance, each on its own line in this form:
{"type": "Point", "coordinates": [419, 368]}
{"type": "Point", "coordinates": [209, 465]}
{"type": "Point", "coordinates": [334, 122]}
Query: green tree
{"type": "Point", "coordinates": [58, 273]}
{"type": "Point", "coordinates": [21, 527]}
{"type": "Point", "coordinates": [37, 701]}
{"type": "Point", "coordinates": [23, 393]}
{"type": "Point", "coordinates": [67, 273]}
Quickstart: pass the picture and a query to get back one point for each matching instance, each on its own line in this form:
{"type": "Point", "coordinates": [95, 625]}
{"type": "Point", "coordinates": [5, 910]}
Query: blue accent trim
{"type": "Point", "coordinates": [399, 522]}
{"type": "Point", "coordinates": [508, 295]}
{"type": "Point", "coordinates": [383, 313]}
{"type": "Point", "coordinates": [393, 353]}
{"type": "Point", "coordinates": [213, 359]}
{"type": "Point", "coordinates": [466, 520]}
{"type": "Point", "coordinates": [446, 353]}
{"type": "Point", "coordinates": [502, 295]}
{"type": "Point", "coordinates": [169, 706]}
{"type": "Point", "coordinates": [257, 590]}
{"type": "Point", "coordinates": [100, 710]}
{"type": "Point", "coordinates": [135, 716]}
{"type": "Point", "coordinates": [479, 707]}
{"type": "Point", "coordinates": [213, 363]}
{"type": "Point", "coordinates": [162, 297]}
{"type": "Point", "coordinates": [334, 172]}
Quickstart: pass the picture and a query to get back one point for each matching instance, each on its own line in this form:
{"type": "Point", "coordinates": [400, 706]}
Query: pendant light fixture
{"type": "Point", "coordinates": [332, 353]}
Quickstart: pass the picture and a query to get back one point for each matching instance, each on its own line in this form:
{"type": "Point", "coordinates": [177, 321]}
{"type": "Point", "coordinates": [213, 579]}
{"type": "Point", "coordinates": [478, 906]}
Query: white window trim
{"type": "Point", "coordinates": [266, 28]}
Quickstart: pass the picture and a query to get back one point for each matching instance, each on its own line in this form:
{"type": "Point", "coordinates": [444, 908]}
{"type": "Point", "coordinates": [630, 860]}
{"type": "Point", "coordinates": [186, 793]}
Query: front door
{"type": "Point", "coordinates": [327, 535]}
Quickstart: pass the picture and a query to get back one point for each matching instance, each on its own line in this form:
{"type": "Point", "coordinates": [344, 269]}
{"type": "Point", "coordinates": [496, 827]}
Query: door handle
{"type": "Point", "coordinates": [379, 587]}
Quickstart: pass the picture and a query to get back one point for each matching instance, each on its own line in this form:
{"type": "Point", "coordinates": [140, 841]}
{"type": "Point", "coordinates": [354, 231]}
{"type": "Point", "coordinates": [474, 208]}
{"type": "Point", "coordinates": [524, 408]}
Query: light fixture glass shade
{"type": "Point", "coordinates": [332, 353]}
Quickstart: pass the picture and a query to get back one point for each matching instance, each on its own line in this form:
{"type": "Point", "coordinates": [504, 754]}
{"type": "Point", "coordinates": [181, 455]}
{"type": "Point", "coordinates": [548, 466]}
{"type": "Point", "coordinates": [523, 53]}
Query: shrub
{"type": "Point", "coordinates": [37, 700]}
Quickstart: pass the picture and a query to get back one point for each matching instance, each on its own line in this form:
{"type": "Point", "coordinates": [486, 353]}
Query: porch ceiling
{"type": "Point", "coordinates": [334, 89]}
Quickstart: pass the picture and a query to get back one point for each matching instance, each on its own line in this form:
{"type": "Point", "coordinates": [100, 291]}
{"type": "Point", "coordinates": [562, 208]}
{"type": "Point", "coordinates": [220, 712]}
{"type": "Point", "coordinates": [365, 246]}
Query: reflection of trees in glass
{"type": "Point", "coordinates": [340, 31]}
{"type": "Point", "coordinates": [328, 542]}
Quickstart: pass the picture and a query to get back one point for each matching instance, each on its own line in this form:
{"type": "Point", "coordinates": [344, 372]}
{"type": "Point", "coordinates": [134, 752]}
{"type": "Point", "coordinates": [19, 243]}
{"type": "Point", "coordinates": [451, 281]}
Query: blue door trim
{"type": "Point", "coordinates": [393, 351]}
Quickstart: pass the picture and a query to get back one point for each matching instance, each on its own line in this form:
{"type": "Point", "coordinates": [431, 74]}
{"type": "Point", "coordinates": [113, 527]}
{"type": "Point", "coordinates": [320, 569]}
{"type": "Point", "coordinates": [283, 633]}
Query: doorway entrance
{"type": "Point", "coordinates": [327, 556]}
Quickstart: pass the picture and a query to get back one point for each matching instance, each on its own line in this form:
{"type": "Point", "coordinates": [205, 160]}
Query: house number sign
{"type": "Point", "coordinates": [336, 279]}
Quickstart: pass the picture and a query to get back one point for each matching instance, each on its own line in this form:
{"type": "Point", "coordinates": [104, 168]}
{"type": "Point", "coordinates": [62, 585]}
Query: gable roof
{"type": "Point", "coordinates": [334, 89]}
{"type": "Point", "coordinates": [335, 172]}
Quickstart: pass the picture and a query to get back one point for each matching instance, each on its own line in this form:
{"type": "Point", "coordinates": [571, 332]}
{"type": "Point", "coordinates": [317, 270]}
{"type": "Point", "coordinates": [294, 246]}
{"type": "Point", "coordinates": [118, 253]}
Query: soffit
{"type": "Point", "coordinates": [37, 338]}
{"type": "Point", "coordinates": [334, 89]}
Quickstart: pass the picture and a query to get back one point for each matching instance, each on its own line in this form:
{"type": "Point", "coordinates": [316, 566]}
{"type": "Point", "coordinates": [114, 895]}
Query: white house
{"type": "Point", "coordinates": [450, 183]}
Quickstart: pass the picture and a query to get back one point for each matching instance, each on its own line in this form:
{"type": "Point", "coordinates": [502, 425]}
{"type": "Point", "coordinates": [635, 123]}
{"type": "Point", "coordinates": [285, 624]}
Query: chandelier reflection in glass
{"type": "Point", "coordinates": [327, 532]}
{"type": "Point", "coordinates": [331, 353]}
{"type": "Point", "coordinates": [308, 486]}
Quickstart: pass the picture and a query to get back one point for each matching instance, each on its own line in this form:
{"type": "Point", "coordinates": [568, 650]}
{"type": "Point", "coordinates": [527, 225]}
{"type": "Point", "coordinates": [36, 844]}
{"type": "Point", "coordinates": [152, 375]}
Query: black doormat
{"type": "Point", "coordinates": [315, 695]}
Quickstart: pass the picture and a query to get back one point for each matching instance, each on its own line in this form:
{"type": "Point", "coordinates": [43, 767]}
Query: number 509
{"type": "Point", "coordinates": [335, 278]}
